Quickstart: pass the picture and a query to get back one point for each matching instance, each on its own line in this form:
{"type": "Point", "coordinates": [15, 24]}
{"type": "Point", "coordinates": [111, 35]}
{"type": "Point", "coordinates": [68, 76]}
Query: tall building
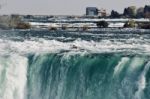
{"type": "Point", "coordinates": [91, 11]}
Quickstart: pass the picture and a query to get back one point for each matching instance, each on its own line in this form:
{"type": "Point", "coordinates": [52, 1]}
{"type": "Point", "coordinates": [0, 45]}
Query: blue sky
{"type": "Point", "coordinates": [64, 7]}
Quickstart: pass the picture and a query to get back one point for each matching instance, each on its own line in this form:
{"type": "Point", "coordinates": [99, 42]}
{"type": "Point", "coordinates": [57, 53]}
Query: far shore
{"type": "Point", "coordinates": [68, 22]}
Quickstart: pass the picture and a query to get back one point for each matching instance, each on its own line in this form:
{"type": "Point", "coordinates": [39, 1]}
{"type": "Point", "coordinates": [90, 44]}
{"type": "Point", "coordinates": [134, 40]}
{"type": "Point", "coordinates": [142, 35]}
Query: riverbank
{"type": "Point", "coordinates": [67, 23]}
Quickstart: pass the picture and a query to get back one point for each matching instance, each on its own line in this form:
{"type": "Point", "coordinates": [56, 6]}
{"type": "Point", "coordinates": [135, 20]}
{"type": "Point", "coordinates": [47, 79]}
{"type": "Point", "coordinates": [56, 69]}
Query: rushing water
{"type": "Point", "coordinates": [100, 64]}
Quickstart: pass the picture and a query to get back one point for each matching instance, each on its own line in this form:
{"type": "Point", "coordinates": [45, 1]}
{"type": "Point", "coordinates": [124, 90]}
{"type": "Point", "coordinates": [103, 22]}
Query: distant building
{"type": "Point", "coordinates": [91, 11]}
{"type": "Point", "coordinates": [102, 12]}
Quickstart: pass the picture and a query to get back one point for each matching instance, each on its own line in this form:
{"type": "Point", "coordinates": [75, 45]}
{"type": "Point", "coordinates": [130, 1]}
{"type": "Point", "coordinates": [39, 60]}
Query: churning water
{"type": "Point", "coordinates": [100, 64]}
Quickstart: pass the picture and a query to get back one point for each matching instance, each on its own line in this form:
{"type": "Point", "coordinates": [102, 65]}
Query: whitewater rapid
{"type": "Point", "coordinates": [43, 45]}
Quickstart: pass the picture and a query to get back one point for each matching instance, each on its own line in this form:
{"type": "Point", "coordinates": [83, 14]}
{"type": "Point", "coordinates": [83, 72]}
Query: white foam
{"type": "Point", "coordinates": [135, 64]}
{"type": "Point", "coordinates": [142, 82]}
{"type": "Point", "coordinates": [116, 24]}
{"type": "Point", "coordinates": [42, 45]}
{"type": "Point", "coordinates": [13, 77]}
{"type": "Point", "coordinates": [120, 66]}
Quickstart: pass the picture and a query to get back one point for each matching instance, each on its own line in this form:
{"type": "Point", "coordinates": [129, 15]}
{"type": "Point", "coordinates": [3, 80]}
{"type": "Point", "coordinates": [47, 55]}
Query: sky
{"type": "Point", "coordinates": [64, 7]}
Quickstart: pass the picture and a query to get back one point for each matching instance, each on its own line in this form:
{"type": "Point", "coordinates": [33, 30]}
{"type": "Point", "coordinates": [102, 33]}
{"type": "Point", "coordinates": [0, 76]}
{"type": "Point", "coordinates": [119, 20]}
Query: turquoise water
{"type": "Point", "coordinates": [74, 65]}
{"type": "Point", "coordinates": [98, 76]}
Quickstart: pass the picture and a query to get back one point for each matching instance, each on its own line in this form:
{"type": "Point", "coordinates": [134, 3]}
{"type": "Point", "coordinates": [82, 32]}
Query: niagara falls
{"type": "Point", "coordinates": [74, 49]}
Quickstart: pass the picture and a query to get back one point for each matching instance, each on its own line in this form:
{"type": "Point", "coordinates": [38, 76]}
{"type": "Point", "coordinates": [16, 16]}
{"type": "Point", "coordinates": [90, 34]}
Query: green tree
{"type": "Point", "coordinates": [130, 12]}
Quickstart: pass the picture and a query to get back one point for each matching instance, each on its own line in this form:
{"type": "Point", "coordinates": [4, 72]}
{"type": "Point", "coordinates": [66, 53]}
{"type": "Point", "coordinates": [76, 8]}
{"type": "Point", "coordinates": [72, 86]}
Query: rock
{"type": "Point", "coordinates": [144, 25]}
{"type": "Point", "coordinates": [23, 26]}
{"type": "Point", "coordinates": [74, 47]}
{"type": "Point", "coordinates": [130, 24]}
{"type": "Point", "coordinates": [102, 24]}
{"type": "Point", "coordinates": [53, 28]}
{"type": "Point", "coordinates": [64, 27]}
{"type": "Point", "coordinates": [85, 28]}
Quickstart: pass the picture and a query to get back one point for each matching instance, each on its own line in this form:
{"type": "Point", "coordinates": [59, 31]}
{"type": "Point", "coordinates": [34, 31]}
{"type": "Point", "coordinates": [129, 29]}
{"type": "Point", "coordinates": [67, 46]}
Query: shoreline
{"type": "Point", "coordinates": [65, 22]}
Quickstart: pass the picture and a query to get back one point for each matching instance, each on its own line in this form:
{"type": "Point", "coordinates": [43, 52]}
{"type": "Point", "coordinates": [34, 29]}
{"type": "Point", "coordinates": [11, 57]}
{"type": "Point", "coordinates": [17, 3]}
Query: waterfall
{"type": "Point", "coordinates": [13, 76]}
{"type": "Point", "coordinates": [76, 76]}
{"type": "Point", "coordinates": [72, 76]}
{"type": "Point", "coordinates": [142, 82]}
{"type": "Point", "coordinates": [39, 68]}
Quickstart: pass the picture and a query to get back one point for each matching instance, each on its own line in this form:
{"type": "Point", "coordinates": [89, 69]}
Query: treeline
{"type": "Point", "coordinates": [132, 12]}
